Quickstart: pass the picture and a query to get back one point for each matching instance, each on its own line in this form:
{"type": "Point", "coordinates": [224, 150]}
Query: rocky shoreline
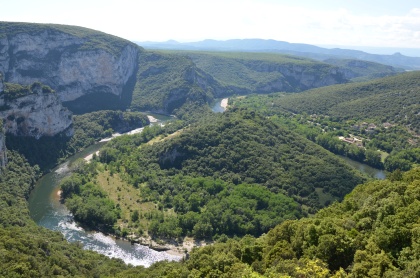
{"type": "Point", "coordinates": [170, 246]}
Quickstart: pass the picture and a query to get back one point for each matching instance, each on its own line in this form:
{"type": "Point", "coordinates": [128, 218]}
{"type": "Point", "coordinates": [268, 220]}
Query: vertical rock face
{"type": "Point", "coordinates": [84, 72]}
{"type": "Point", "coordinates": [73, 61]}
{"type": "Point", "coordinates": [1, 82]}
{"type": "Point", "coordinates": [3, 151]}
{"type": "Point", "coordinates": [37, 113]}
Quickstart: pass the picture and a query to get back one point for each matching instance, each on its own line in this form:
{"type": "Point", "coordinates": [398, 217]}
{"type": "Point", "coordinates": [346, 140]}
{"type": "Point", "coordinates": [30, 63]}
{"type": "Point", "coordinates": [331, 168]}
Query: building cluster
{"type": "Point", "coordinates": [352, 140]}
{"type": "Point", "coordinates": [370, 128]}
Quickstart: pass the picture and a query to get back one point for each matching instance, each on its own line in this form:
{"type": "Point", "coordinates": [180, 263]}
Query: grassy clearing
{"type": "Point", "coordinates": [384, 155]}
{"type": "Point", "coordinates": [163, 138]}
{"type": "Point", "coordinates": [129, 199]}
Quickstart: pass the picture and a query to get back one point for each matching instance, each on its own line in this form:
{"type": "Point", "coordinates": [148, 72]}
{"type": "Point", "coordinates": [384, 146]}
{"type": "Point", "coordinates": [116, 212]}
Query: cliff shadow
{"type": "Point", "coordinates": [100, 99]}
{"type": "Point", "coordinates": [46, 151]}
{"type": "Point", "coordinates": [94, 102]}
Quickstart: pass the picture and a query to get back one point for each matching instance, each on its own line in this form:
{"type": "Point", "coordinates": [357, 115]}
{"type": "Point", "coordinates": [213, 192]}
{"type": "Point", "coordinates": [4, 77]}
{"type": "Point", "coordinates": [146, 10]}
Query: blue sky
{"type": "Point", "coordinates": [323, 22]}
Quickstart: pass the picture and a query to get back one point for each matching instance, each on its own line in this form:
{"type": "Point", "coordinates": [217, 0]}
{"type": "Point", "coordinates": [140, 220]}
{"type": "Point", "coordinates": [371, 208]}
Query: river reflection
{"type": "Point", "coordinates": [370, 171]}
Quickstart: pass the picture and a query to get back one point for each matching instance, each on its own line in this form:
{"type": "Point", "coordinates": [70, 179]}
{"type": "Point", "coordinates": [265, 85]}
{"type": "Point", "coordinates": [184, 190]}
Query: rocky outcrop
{"type": "Point", "coordinates": [1, 84]}
{"type": "Point", "coordinates": [352, 69]}
{"type": "Point", "coordinates": [296, 77]}
{"type": "Point", "coordinates": [73, 61]}
{"type": "Point", "coordinates": [3, 150]}
{"type": "Point", "coordinates": [257, 73]}
{"type": "Point", "coordinates": [165, 82]}
{"type": "Point", "coordinates": [37, 112]}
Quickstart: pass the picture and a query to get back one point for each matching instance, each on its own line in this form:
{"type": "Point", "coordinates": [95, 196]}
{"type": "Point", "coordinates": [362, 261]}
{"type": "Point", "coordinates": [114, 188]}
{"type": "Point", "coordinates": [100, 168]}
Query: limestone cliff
{"type": "Point", "coordinates": [363, 70]}
{"type": "Point", "coordinates": [74, 61]}
{"type": "Point", "coordinates": [245, 73]}
{"type": "Point", "coordinates": [1, 84]}
{"type": "Point", "coordinates": [34, 111]}
{"type": "Point", "coordinates": [3, 151]}
{"type": "Point", "coordinates": [165, 82]}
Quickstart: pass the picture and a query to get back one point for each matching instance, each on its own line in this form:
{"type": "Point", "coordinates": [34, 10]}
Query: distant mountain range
{"type": "Point", "coordinates": [299, 49]}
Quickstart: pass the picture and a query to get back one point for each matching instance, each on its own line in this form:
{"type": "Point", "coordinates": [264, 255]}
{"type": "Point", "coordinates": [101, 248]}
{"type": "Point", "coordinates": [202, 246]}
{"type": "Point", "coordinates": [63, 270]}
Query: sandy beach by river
{"type": "Point", "coordinates": [172, 247]}
{"type": "Point", "coordinates": [90, 156]}
{"type": "Point", "coordinates": [152, 119]}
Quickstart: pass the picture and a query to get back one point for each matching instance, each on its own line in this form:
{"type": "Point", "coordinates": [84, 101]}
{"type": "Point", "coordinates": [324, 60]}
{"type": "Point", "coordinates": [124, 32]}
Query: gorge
{"type": "Point", "coordinates": [260, 181]}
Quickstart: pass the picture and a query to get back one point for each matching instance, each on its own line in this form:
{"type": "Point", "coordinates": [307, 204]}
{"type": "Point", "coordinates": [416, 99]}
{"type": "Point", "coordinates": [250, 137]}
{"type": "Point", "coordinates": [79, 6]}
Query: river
{"type": "Point", "coordinates": [368, 170]}
{"type": "Point", "coordinates": [47, 211]}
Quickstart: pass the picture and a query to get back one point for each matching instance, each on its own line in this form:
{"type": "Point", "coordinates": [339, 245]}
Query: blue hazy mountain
{"type": "Point", "coordinates": [299, 49]}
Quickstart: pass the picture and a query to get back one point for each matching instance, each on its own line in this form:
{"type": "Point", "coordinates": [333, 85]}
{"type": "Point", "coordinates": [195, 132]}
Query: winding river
{"type": "Point", "coordinates": [47, 211]}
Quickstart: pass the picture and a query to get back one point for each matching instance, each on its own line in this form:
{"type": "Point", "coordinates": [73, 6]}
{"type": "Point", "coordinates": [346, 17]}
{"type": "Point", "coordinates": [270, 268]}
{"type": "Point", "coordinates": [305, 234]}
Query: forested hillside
{"type": "Point", "coordinates": [241, 145]}
{"type": "Point", "coordinates": [265, 72]}
{"type": "Point", "coordinates": [166, 82]}
{"type": "Point", "coordinates": [392, 99]}
{"type": "Point", "coordinates": [200, 76]}
{"type": "Point", "coordinates": [359, 70]}
{"type": "Point", "coordinates": [286, 48]}
{"type": "Point", "coordinates": [374, 122]}
{"type": "Point", "coordinates": [32, 251]}
{"type": "Point", "coordinates": [373, 232]}
{"type": "Point", "coordinates": [227, 176]}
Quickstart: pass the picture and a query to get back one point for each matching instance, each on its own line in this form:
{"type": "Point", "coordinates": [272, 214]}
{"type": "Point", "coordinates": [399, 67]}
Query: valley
{"type": "Point", "coordinates": [226, 163]}
{"type": "Point", "coordinates": [47, 211]}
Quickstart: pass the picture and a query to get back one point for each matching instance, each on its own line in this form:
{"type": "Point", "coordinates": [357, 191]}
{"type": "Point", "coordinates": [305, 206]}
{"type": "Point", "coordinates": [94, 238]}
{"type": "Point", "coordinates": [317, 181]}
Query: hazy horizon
{"type": "Point", "coordinates": [357, 23]}
{"type": "Point", "coordinates": [411, 52]}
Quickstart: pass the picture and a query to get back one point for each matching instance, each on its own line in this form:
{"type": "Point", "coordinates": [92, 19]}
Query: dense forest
{"type": "Point", "coordinates": [377, 118]}
{"type": "Point", "coordinates": [391, 99]}
{"type": "Point", "coordinates": [371, 233]}
{"type": "Point", "coordinates": [226, 177]}
{"type": "Point", "coordinates": [245, 72]}
{"type": "Point", "coordinates": [31, 251]}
